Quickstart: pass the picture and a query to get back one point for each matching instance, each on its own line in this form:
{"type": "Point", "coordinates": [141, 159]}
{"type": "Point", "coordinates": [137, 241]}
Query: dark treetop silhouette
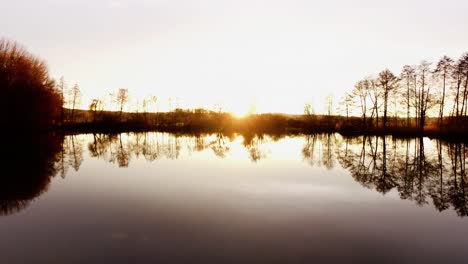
{"type": "Point", "coordinates": [28, 96]}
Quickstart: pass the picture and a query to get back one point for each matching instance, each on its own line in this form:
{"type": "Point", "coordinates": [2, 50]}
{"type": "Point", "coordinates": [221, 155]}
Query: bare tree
{"type": "Point", "coordinates": [374, 94]}
{"type": "Point", "coordinates": [61, 87]}
{"type": "Point", "coordinates": [75, 99]}
{"type": "Point", "coordinates": [443, 71]}
{"type": "Point", "coordinates": [424, 92]}
{"type": "Point", "coordinates": [308, 110]}
{"type": "Point", "coordinates": [146, 104]}
{"type": "Point", "coordinates": [457, 76]}
{"type": "Point", "coordinates": [387, 82]}
{"type": "Point", "coordinates": [464, 67]}
{"type": "Point", "coordinates": [360, 92]}
{"type": "Point", "coordinates": [329, 109]}
{"type": "Point", "coordinates": [408, 76]}
{"type": "Point", "coordinates": [121, 99]}
{"type": "Point", "coordinates": [346, 103]}
{"type": "Point", "coordinates": [95, 106]}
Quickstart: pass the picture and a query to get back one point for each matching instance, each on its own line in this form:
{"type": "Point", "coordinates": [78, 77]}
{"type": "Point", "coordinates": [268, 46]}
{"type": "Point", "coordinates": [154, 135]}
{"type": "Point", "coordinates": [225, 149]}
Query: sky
{"type": "Point", "coordinates": [267, 55]}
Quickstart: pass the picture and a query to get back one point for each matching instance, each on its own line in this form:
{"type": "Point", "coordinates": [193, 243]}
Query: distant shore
{"type": "Point", "coordinates": [185, 121]}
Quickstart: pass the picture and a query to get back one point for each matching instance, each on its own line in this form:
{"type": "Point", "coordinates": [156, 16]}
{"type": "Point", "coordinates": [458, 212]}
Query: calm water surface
{"type": "Point", "coordinates": [158, 198]}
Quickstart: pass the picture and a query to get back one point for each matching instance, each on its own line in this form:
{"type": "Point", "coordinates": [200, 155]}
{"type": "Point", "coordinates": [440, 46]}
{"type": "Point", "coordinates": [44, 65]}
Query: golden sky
{"type": "Point", "coordinates": [276, 54]}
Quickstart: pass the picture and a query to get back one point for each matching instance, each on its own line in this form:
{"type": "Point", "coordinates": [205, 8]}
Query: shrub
{"type": "Point", "coordinates": [28, 96]}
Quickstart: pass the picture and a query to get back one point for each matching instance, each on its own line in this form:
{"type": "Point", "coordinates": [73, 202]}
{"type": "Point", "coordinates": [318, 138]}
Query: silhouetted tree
{"type": "Point", "coordinates": [346, 104]}
{"type": "Point", "coordinates": [360, 91]}
{"type": "Point", "coordinates": [308, 111]}
{"type": "Point", "coordinates": [96, 106]}
{"type": "Point", "coordinates": [408, 76]}
{"type": "Point", "coordinates": [62, 87]}
{"type": "Point", "coordinates": [457, 76]}
{"type": "Point", "coordinates": [121, 99]}
{"type": "Point", "coordinates": [29, 98]}
{"type": "Point", "coordinates": [374, 94]}
{"type": "Point", "coordinates": [443, 70]}
{"type": "Point", "coordinates": [75, 100]}
{"type": "Point", "coordinates": [464, 68]}
{"type": "Point", "coordinates": [387, 82]}
{"type": "Point", "coordinates": [423, 92]}
{"type": "Point", "coordinates": [147, 102]}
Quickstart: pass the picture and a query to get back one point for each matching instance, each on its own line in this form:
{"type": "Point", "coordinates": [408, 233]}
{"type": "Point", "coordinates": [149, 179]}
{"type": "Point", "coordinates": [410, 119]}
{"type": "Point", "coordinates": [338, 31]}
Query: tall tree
{"type": "Point", "coordinates": [95, 106]}
{"type": "Point", "coordinates": [121, 99]}
{"type": "Point", "coordinates": [424, 92]}
{"type": "Point", "coordinates": [75, 99]}
{"type": "Point", "coordinates": [464, 68]}
{"type": "Point", "coordinates": [329, 109]}
{"type": "Point", "coordinates": [347, 101]}
{"type": "Point", "coordinates": [61, 87]}
{"type": "Point", "coordinates": [360, 92]}
{"type": "Point", "coordinates": [443, 71]}
{"type": "Point", "coordinates": [308, 110]}
{"type": "Point", "coordinates": [387, 82]}
{"type": "Point", "coordinates": [457, 76]}
{"type": "Point", "coordinates": [374, 94]}
{"type": "Point", "coordinates": [408, 76]}
{"type": "Point", "coordinates": [146, 104]}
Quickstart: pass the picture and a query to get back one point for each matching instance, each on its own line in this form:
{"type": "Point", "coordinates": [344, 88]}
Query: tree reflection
{"type": "Point", "coordinates": [421, 170]}
{"type": "Point", "coordinates": [252, 143]}
{"type": "Point", "coordinates": [71, 154]}
{"type": "Point", "coordinates": [28, 163]}
{"type": "Point", "coordinates": [119, 148]}
{"type": "Point", "coordinates": [457, 180]}
{"type": "Point", "coordinates": [439, 190]}
{"type": "Point", "coordinates": [122, 154]}
{"type": "Point", "coordinates": [220, 145]}
{"type": "Point", "coordinates": [417, 174]}
{"type": "Point", "coordinates": [319, 150]}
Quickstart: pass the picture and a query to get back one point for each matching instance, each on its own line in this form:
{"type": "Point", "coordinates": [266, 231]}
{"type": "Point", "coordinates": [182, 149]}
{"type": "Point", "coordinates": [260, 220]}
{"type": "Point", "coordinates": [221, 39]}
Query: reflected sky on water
{"type": "Point", "coordinates": [150, 197]}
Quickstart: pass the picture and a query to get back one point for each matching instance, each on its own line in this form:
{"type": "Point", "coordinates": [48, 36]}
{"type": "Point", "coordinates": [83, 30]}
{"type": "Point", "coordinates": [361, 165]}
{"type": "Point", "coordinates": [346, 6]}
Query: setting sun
{"type": "Point", "coordinates": [240, 114]}
{"type": "Point", "coordinates": [247, 131]}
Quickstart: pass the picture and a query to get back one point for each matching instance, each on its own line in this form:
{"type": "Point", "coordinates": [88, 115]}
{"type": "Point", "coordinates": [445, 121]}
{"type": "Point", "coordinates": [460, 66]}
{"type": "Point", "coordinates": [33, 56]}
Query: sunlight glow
{"type": "Point", "coordinates": [211, 52]}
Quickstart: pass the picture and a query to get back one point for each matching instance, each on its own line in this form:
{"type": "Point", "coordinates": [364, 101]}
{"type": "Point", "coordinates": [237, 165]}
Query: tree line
{"type": "Point", "coordinates": [440, 89]}
{"type": "Point", "coordinates": [30, 99]}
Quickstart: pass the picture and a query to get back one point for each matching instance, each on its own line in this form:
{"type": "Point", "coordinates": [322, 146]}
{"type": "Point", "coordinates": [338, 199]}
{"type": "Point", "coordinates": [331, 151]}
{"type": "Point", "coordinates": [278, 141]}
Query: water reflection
{"type": "Point", "coordinates": [152, 146]}
{"type": "Point", "coordinates": [28, 163]}
{"type": "Point", "coordinates": [319, 150]}
{"type": "Point", "coordinates": [421, 170]}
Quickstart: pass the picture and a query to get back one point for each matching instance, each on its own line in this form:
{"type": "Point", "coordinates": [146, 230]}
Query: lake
{"type": "Point", "coordinates": [215, 198]}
